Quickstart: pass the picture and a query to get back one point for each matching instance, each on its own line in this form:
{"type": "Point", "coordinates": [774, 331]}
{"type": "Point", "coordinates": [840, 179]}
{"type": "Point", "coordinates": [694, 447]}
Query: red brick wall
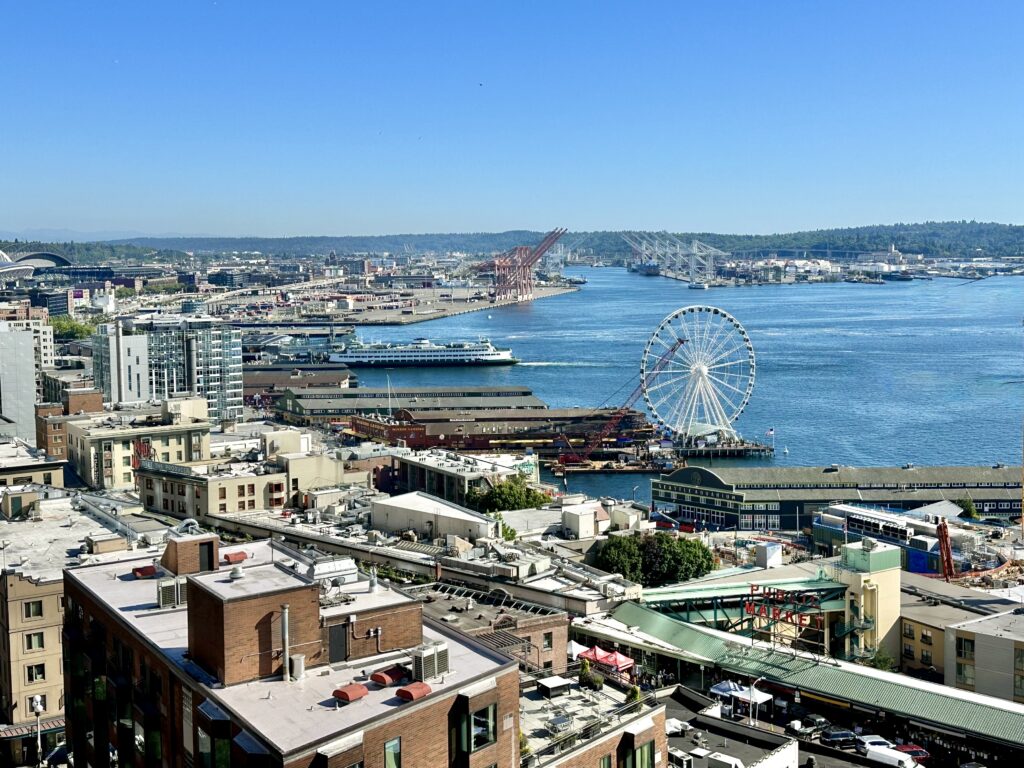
{"type": "Point", "coordinates": [90, 401]}
{"type": "Point", "coordinates": [401, 627]}
{"type": "Point", "coordinates": [424, 733]}
{"type": "Point", "coordinates": [181, 556]}
{"type": "Point", "coordinates": [240, 640]}
{"type": "Point", "coordinates": [617, 743]}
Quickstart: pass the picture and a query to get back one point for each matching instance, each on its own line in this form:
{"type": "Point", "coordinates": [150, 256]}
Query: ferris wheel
{"type": "Point", "coordinates": [697, 372]}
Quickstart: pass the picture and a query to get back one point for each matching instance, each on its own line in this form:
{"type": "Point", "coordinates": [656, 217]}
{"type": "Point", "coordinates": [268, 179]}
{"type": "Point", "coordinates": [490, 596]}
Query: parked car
{"type": "Point", "coordinates": [820, 723]}
{"type": "Point", "coordinates": [838, 737]}
{"type": "Point", "coordinates": [808, 727]}
{"type": "Point", "coordinates": [920, 754]}
{"type": "Point", "coordinates": [868, 741]}
{"type": "Point", "coordinates": [890, 757]}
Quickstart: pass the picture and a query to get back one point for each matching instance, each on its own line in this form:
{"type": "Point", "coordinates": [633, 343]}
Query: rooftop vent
{"type": "Point", "coordinates": [237, 573]}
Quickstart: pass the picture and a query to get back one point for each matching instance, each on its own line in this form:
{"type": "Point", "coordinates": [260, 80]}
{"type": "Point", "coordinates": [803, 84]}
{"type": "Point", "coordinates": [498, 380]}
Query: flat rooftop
{"type": "Point", "coordinates": [41, 547]}
{"type": "Point", "coordinates": [287, 716]}
{"type": "Point", "coordinates": [546, 722]}
{"type": "Point", "coordinates": [451, 604]}
{"type": "Point", "coordinates": [15, 454]}
{"type": "Point", "coordinates": [1009, 625]}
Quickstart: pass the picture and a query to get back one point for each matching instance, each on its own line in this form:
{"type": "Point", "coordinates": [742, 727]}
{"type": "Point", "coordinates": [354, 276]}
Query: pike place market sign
{"type": "Point", "coordinates": [795, 608]}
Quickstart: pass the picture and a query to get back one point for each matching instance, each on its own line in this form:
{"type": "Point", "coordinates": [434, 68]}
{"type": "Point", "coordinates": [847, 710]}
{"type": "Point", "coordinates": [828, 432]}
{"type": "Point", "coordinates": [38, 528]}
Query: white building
{"type": "Point", "coordinates": [121, 365]}
{"type": "Point", "coordinates": [18, 382]}
{"type": "Point", "coordinates": [430, 517]}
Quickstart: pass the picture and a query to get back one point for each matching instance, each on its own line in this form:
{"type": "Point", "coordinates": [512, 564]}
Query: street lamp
{"type": "Point", "coordinates": [753, 693]}
{"type": "Point", "coordinates": [37, 707]}
{"type": "Point", "coordinates": [3, 547]}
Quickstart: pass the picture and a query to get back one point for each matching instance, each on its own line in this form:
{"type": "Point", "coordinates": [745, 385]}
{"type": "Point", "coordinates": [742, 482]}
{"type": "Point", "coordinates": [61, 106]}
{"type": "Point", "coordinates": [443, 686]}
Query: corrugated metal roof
{"type": "Point", "coordinates": [950, 708]}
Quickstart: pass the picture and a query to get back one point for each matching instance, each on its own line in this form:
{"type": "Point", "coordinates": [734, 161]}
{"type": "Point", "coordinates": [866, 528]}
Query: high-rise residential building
{"type": "Point", "coordinates": [43, 353]}
{"type": "Point", "coordinates": [183, 355]}
{"type": "Point", "coordinates": [17, 381]}
{"type": "Point", "coordinates": [121, 364]}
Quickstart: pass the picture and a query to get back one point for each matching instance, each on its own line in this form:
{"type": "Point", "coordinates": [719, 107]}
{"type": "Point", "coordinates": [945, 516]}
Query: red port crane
{"type": "Point", "coordinates": [513, 270]}
{"type": "Point", "coordinates": [612, 424]}
{"type": "Point", "coordinates": [945, 551]}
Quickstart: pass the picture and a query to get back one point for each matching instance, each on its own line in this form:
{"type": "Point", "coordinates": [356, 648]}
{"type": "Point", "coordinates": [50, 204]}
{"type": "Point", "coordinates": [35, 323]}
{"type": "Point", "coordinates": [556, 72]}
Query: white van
{"type": "Point", "coordinates": [889, 756]}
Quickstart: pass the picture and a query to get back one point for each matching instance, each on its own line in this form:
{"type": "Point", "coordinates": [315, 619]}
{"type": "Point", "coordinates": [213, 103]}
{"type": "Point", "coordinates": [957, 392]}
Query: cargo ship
{"type": "Point", "coordinates": [422, 352]}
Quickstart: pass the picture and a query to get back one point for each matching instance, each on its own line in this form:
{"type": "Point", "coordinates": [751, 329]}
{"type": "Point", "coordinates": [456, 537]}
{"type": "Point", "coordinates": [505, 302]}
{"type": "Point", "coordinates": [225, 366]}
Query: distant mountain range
{"type": "Point", "coordinates": [953, 238]}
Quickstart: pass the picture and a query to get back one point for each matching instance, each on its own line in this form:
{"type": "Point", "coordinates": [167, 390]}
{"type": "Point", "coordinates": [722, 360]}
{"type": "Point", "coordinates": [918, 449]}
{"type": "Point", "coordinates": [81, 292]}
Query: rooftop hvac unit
{"type": "Point", "coordinates": [430, 661]}
{"type": "Point", "coordinates": [171, 593]}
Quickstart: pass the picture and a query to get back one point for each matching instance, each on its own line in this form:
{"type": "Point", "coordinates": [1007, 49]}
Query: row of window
{"type": "Point", "coordinates": [908, 632]}
{"type": "Point", "coordinates": [760, 522]}
{"type": "Point", "coordinates": [908, 653]}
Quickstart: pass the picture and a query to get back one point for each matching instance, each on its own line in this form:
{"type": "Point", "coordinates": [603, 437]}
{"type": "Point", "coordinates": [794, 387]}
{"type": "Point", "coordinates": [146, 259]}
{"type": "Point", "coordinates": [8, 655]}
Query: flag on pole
{"type": "Point", "coordinates": [770, 432]}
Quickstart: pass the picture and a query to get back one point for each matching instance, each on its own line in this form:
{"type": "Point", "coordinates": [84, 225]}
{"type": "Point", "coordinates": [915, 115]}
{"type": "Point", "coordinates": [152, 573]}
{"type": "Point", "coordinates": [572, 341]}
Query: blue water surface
{"type": "Point", "coordinates": [929, 372]}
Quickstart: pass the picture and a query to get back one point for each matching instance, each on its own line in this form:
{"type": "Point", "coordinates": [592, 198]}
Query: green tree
{"type": "Point", "coordinates": [621, 554]}
{"type": "Point", "coordinates": [507, 495]}
{"type": "Point", "coordinates": [967, 505]}
{"type": "Point", "coordinates": [881, 660]}
{"type": "Point", "coordinates": [67, 328]}
{"type": "Point", "coordinates": [657, 559]}
{"type": "Point", "coordinates": [124, 293]}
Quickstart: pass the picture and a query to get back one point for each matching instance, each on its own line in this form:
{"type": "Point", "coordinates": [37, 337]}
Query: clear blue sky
{"type": "Point", "coordinates": [234, 117]}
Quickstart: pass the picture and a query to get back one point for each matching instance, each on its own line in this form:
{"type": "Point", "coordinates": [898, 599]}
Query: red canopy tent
{"type": "Point", "coordinates": [612, 659]}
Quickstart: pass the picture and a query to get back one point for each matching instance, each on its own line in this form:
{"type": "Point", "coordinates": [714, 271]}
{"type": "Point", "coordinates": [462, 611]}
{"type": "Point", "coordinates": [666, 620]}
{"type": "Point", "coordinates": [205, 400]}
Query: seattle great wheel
{"type": "Point", "coordinates": [697, 373]}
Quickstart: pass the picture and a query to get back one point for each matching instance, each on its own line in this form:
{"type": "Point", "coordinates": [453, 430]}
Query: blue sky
{"type": "Point", "coordinates": [238, 118]}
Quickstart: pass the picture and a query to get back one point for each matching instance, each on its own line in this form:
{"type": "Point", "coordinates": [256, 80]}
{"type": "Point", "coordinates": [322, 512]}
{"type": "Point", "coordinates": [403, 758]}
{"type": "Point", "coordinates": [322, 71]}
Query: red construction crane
{"type": "Point", "coordinates": [616, 418]}
{"type": "Point", "coordinates": [513, 270]}
{"type": "Point", "coordinates": [945, 551]}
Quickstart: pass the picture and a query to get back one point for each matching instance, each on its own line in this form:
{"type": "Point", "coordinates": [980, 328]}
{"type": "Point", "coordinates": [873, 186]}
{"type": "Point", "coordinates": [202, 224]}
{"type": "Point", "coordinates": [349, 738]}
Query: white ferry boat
{"type": "Point", "coordinates": [422, 352]}
{"type": "Point", "coordinates": [699, 286]}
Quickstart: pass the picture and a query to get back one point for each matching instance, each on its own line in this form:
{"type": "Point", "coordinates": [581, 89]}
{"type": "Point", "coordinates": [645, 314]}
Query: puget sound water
{"type": "Point", "coordinates": [928, 372]}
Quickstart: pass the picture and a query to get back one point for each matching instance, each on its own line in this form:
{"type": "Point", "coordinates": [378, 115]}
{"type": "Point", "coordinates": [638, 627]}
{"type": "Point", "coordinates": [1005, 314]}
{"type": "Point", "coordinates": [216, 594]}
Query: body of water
{"type": "Point", "coordinates": [929, 372]}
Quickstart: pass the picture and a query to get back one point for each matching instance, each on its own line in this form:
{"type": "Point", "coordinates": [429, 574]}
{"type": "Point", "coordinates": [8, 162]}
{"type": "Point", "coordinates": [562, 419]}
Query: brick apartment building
{"type": "Point", "coordinates": [182, 662]}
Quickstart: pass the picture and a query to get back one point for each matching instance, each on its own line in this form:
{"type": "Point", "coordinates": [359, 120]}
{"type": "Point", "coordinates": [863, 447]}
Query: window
{"type": "Point", "coordinates": [965, 648]}
{"type": "Point", "coordinates": [126, 461]}
{"type": "Point", "coordinates": [606, 761]}
{"type": "Point", "coordinates": [641, 757]}
{"type": "Point", "coordinates": [549, 640]}
{"type": "Point", "coordinates": [47, 478]}
{"type": "Point", "coordinates": [35, 673]}
{"type": "Point", "coordinates": [908, 630]}
{"type": "Point", "coordinates": [222, 493]}
{"type": "Point", "coordinates": [252, 489]}
{"type": "Point", "coordinates": [149, 484]}
{"type": "Point", "coordinates": [241, 490]}
{"type": "Point", "coordinates": [33, 641]}
{"type": "Point", "coordinates": [222, 507]}
{"type": "Point", "coordinates": [1018, 671]}
{"type": "Point", "coordinates": [964, 674]}
{"type": "Point", "coordinates": [926, 636]}
{"type": "Point", "coordinates": [126, 477]}
{"type": "Point", "coordinates": [34, 609]}
{"type": "Point", "coordinates": [484, 727]}
{"type": "Point", "coordinates": [241, 505]}
{"type": "Point", "coordinates": [926, 657]}
{"type": "Point", "coordinates": [393, 753]}
{"type": "Point", "coordinates": [908, 651]}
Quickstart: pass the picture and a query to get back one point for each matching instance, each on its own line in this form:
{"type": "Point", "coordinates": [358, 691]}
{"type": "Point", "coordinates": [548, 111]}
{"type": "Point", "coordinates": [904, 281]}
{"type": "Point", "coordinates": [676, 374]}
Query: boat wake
{"type": "Point", "coordinates": [564, 364]}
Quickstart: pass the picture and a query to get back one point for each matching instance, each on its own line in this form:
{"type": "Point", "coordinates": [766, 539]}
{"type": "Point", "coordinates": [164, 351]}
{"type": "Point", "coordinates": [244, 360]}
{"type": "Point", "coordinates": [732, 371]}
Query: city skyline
{"type": "Point", "coordinates": [225, 119]}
